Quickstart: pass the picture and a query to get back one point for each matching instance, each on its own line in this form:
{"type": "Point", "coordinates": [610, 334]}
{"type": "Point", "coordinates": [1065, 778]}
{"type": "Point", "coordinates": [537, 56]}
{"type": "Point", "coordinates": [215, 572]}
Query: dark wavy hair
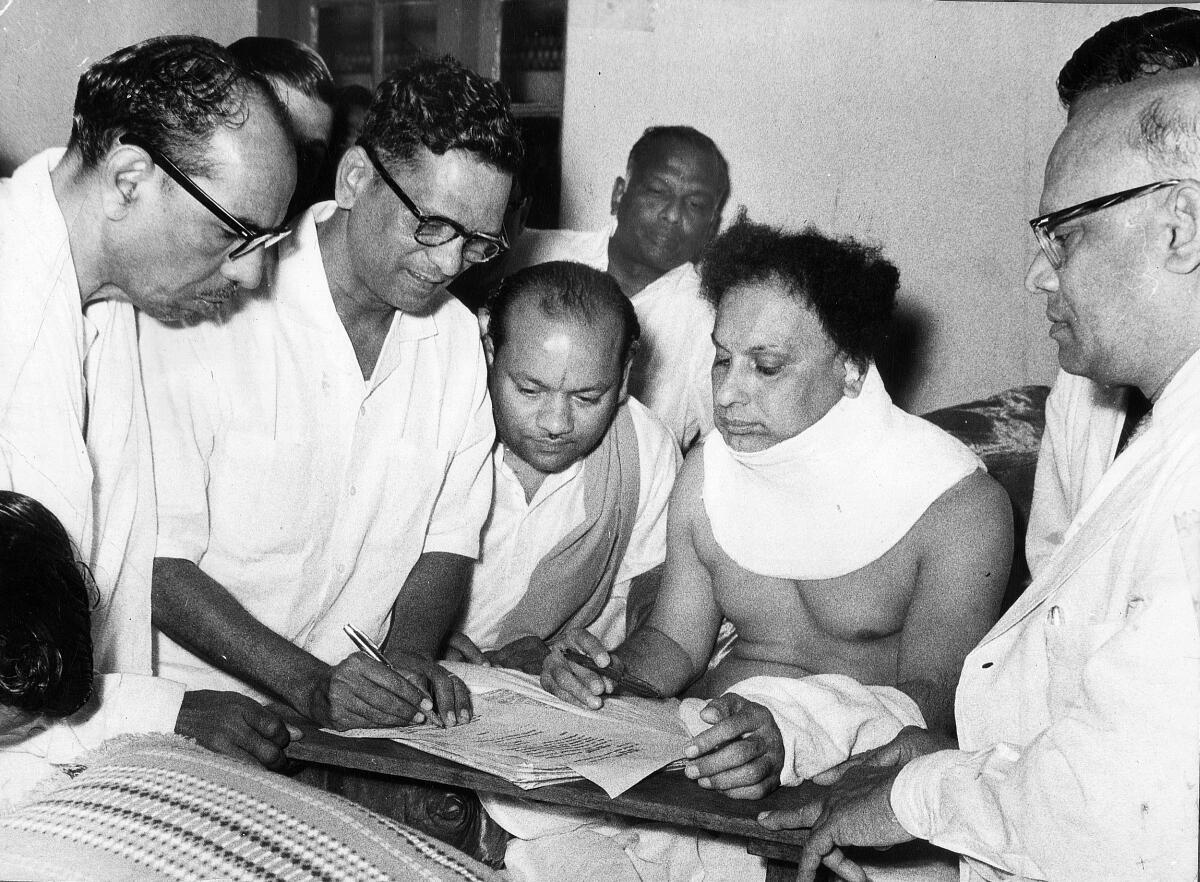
{"type": "Point", "coordinates": [1131, 48]}
{"type": "Point", "coordinates": [564, 288]}
{"type": "Point", "coordinates": [644, 146]}
{"type": "Point", "coordinates": [850, 286]}
{"type": "Point", "coordinates": [291, 62]}
{"type": "Point", "coordinates": [172, 92]}
{"type": "Point", "coordinates": [438, 104]}
{"type": "Point", "coordinates": [45, 633]}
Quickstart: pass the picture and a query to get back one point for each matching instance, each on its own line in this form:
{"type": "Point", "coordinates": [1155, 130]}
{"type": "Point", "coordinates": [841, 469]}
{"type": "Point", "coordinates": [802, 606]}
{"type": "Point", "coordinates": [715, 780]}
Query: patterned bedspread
{"type": "Point", "coordinates": [159, 807]}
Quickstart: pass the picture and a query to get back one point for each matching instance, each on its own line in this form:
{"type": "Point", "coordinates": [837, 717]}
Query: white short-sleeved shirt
{"type": "Point", "coordinates": [519, 534]}
{"type": "Point", "coordinates": [305, 490]}
{"type": "Point", "coordinates": [73, 429]}
{"type": "Point", "coordinates": [672, 374]}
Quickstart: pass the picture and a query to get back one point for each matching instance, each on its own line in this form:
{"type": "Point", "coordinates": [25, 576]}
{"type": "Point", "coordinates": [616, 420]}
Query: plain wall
{"type": "Point", "coordinates": [46, 44]}
{"type": "Point", "coordinates": [919, 125]}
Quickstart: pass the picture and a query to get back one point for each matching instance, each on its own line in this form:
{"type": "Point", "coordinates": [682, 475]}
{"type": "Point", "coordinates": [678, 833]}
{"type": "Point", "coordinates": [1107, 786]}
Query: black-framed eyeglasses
{"type": "Point", "coordinates": [253, 238]}
{"type": "Point", "coordinates": [433, 230]}
{"type": "Point", "coordinates": [1044, 226]}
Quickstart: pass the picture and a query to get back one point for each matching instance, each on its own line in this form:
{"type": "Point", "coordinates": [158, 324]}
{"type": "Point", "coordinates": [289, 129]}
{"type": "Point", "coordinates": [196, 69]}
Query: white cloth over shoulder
{"type": "Point", "coordinates": [827, 718]}
{"type": "Point", "coordinates": [835, 497]}
{"type": "Point", "coordinates": [519, 534]}
{"type": "Point", "coordinates": [121, 704]}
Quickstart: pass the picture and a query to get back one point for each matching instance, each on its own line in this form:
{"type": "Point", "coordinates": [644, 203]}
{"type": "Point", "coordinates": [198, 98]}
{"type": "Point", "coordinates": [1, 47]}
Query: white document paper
{"type": "Point", "coordinates": [523, 734]}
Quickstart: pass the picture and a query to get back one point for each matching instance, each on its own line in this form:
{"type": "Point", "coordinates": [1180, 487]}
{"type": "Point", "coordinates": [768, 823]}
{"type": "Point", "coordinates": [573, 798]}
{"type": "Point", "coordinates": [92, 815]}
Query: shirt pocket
{"type": "Point", "coordinates": [1070, 645]}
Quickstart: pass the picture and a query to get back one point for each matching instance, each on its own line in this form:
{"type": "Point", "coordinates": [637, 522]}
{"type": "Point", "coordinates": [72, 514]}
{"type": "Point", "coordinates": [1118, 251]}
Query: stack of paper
{"type": "Point", "coordinates": [525, 735]}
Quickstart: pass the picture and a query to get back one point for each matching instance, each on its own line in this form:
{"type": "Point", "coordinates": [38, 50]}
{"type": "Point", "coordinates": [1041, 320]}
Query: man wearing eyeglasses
{"type": "Point", "coordinates": [1078, 713]}
{"type": "Point", "coordinates": [1089, 424]}
{"type": "Point", "coordinates": [323, 457]}
{"type": "Point", "coordinates": [87, 236]}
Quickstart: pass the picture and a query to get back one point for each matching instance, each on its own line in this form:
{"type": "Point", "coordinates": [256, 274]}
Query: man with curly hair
{"type": "Point", "coordinates": [323, 457]}
{"type": "Point", "coordinates": [177, 173]}
{"type": "Point", "coordinates": [860, 551]}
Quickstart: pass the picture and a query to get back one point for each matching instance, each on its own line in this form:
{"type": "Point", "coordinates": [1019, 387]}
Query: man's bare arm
{"type": "Point", "coordinates": [966, 542]}
{"type": "Point", "coordinates": [422, 618]}
{"type": "Point", "coordinates": [200, 614]}
{"type": "Point", "coordinates": [672, 646]}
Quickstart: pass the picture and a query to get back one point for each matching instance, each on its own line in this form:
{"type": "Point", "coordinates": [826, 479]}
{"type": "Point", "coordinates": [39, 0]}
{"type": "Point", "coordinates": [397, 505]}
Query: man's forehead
{"type": "Point", "coordinates": [1092, 157]}
{"type": "Point", "coordinates": [253, 169]}
{"type": "Point", "coordinates": [531, 327]}
{"type": "Point", "coordinates": [682, 159]}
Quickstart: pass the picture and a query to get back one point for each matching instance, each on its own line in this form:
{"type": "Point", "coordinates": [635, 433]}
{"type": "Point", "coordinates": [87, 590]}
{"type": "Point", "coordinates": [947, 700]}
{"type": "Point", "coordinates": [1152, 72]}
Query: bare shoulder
{"type": "Point", "coordinates": [968, 531]}
{"type": "Point", "coordinates": [974, 503]}
{"type": "Point", "coordinates": [689, 482]}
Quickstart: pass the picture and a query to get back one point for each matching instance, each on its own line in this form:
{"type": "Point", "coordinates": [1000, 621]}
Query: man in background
{"type": "Point", "coordinates": [339, 473]}
{"type": "Point", "coordinates": [1088, 423]}
{"type": "Point", "coordinates": [304, 86]}
{"type": "Point", "coordinates": [582, 471]}
{"type": "Point", "coordinates": [665, 209]}
{"type": "Point", "coordinates": [177, 172]}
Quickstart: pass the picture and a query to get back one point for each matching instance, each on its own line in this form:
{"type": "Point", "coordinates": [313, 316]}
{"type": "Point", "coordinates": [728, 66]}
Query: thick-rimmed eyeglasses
{"type": "Point", "coordinates": [1044, 226]}
{"type": "Point", "coordinates": [252, 237]}
{"type": "Point", "coordinates": [433, 230]}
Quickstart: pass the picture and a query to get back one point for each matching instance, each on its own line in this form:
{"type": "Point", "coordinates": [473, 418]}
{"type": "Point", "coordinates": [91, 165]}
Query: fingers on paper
{"type": "Point", "coordinates": [452, 698]}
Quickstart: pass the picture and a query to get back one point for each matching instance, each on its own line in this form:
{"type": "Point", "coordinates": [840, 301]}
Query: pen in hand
{"type": "Point", "coordinates": [367, 646]}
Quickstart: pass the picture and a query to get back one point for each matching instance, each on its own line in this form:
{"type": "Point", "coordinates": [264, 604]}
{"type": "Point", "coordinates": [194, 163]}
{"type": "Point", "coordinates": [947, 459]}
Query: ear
{"type": "Point", "coordinates": [126, 174]}
{"type": "Point", "coordinates": [354, 173]}
{"type": "Point", "coordinates": [489, 348]}
{"type": "Point", "coordinates": [856, 375]}
{"type": "Point", "coordinates": [623, 394]}
{"type": "Point", "coordinates": [1183, 253]}
{"type": "Point", "coordinates": [618, 191]}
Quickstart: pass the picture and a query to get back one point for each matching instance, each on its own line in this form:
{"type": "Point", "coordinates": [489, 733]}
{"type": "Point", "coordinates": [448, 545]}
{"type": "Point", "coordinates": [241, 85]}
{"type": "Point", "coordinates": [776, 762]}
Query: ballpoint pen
{"type": "Point", "coordinates": [367, 646]}
{"type": "Point", "coordinates": [625, 681]}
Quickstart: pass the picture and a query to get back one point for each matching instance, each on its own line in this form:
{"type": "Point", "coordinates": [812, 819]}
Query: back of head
{"type": "Point", "coordinates": [657, 137]}
{"type": "Point", "coordinates": [1131, 48]}
{"type": "Point", "coordinates": [172, 92]}
{"type": "Point", "coordinates": [565, 290]}
{"type": "Point", "coordinates": [850, 286]}
{"type": "Point", "coordinates": [286, 61]}
{"type": "Point", "coordinates": [440, 105]}
{"type": "Point", "coordinates": [45, 636]}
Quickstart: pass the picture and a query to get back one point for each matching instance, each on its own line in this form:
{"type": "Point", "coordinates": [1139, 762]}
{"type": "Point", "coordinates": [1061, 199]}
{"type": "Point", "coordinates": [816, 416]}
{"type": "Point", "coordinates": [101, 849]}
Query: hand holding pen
{"type": "Point", "coordinates": [418, 689]}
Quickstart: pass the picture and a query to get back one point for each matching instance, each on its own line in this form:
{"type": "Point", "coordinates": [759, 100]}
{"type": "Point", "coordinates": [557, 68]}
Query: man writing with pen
{"type": "Point", "coordinates": [321, 456]}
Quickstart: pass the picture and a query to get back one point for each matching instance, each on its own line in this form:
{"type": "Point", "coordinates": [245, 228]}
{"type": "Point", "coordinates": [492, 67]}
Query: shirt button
{"type": "Point", "coordinates": [353, 490]}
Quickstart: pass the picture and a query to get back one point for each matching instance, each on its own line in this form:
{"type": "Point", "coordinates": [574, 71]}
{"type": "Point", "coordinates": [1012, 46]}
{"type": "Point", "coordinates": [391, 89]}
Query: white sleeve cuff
{"type": "Point", "coordinates": [915, 796]}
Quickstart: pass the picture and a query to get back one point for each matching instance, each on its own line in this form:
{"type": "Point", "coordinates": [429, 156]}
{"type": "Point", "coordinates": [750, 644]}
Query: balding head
{"type": "Point", "coordinates": [1123, 295]}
